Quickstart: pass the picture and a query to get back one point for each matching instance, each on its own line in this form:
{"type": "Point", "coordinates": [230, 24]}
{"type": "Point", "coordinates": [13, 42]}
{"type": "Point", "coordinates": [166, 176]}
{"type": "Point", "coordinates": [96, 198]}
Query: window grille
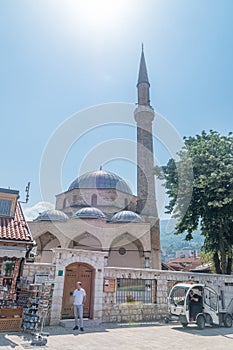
{"type": "Point", "coordinates": [134, 290]}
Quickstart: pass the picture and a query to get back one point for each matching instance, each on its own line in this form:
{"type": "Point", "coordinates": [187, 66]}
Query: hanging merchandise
{"type": "Point", "coordinates": [36, 299]}
{"type": "Point", "coordinates": [10, 312]}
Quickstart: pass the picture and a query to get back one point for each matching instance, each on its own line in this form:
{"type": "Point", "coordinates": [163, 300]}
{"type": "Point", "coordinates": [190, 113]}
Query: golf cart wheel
{"type": "Point", "coordinates": [184, 324]}
{"type": "Point", "coordinates": [227, 321]}
{"type": "Point", "coordinates": [200, 322]}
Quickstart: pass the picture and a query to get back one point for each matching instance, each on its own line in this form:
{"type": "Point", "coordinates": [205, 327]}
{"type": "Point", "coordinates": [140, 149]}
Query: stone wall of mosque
{"type": "Point", "coordinates": [113, 286]}
{"type": "Point", "coordinates": [30, 270]}
{"type": "Point", "coordinates": [161, 283]}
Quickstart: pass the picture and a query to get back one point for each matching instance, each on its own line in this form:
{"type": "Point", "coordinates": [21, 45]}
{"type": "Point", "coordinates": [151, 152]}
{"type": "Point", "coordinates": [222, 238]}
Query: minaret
{"type": "Point", "coordinates": [146, 205]}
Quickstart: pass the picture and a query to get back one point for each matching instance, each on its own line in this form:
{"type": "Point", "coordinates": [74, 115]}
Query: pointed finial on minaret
{"type": "Point", "coordinates": [143, 76]}
{"type": "Point", "coordinates": [143, 84]}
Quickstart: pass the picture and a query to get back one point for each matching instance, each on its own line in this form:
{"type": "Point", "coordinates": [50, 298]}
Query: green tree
{"type": "Point", "coordinates": [200, 188]}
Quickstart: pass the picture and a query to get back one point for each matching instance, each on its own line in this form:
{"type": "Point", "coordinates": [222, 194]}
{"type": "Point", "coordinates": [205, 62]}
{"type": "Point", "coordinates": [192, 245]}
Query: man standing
{"type": "Point", "coordinates": [195, 305]}
{"type": "Point", "coordinates": [79, 299]}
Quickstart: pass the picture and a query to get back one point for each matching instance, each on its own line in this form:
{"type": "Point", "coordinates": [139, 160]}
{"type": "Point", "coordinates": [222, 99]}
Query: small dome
{"type": "Point", "coordinates": [126, 216]}
{"type": "Point", "coordinates": [100, 179]}
{"type": "Point", "coordinates": [89, 213]}
{"type": "Point", "coordinates": [52, 215]}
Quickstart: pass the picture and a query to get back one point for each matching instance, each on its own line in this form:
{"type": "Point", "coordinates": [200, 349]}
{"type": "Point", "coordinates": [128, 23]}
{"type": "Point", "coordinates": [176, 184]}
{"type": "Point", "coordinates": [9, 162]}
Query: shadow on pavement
{"type": "Point", "coordinates": [103, 327]}
{"type": "Point", "coordinates": [24, 339]}
{"type": "Point", "coordinates": [208, 331]}
{"type": "Point", "coordinates": [5, 341]}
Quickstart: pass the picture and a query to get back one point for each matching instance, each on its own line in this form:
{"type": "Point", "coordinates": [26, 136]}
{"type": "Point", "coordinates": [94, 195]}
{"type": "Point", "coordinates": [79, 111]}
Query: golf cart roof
{"type": "Point", "coordinates": [189, 285]}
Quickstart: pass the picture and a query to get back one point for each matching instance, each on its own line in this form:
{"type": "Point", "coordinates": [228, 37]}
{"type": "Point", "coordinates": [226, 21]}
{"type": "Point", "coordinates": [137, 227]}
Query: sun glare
{"type": "Point", "coordinates": [101, 11]}
{"type": "Point", "coordinates": [100, 16]}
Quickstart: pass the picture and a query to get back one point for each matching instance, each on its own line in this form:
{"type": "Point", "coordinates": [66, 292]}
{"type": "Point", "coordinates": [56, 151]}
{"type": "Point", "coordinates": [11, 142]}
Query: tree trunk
{"type": "Point", "coordinates": [229, 265]}
{"type": "Point", "coordinates": [217, 263]}
{"type": "Point", "coordinates": [223, 262]}
{"type": "Point", "coordinates": [223, 252]}
{"type": "Point", "coordinates": [229, 262]}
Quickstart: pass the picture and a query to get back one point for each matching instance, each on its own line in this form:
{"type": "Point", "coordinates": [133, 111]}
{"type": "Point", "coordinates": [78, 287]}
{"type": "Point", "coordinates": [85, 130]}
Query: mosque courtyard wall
{"type": "Point", "coordinates": [110, 301]}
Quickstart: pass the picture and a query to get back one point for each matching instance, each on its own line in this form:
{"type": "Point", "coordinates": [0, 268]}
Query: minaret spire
{"type": "Point", "coordinates": [143, 84]}
{"type": "Point", "coordinates": [143, 76]}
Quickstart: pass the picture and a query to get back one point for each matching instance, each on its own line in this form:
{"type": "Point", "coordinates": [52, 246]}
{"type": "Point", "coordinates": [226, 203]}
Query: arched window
{"type": "Point", "coordinates": [94, 200]}
{"type": "Point", "coordinates": [126, 203]}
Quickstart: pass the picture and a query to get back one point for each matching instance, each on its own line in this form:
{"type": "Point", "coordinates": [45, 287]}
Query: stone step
{"type": "Point", "coordinates": [69, 323]}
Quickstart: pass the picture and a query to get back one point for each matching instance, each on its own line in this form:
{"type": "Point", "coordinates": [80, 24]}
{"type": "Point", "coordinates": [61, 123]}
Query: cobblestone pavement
{"type": "Point", "coordinates": [126, 337]}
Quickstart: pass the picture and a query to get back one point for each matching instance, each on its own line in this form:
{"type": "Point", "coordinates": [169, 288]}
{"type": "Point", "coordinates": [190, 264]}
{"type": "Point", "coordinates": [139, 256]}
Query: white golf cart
{"type": "Point", "coordinates": [214, 310]}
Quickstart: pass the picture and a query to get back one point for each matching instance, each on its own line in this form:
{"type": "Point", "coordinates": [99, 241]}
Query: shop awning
{"type": "Point", "coordinates": [12, 252]}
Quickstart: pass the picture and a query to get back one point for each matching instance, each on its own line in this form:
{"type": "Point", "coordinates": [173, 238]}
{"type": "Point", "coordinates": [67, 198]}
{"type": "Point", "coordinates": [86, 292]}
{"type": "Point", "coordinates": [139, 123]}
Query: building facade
{"type": "Point", "coordinates": [98, 222]}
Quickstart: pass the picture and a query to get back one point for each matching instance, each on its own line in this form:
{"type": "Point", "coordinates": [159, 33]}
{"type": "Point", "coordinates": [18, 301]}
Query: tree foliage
{"type": "Point", "coordinates": [200, 189]}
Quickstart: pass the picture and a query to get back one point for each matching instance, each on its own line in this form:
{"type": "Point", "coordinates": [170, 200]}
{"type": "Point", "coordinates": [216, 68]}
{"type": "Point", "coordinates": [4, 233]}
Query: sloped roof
{"type": "Point", "coordinates": [167, 267]}
{"type": "Point", "coordinates": [15, 229]}
{"type": "Point", "coordinates": [184, 264]}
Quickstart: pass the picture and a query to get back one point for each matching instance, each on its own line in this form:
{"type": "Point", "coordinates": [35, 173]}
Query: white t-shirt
{"type": "Point", "coordinates": [79, 296]}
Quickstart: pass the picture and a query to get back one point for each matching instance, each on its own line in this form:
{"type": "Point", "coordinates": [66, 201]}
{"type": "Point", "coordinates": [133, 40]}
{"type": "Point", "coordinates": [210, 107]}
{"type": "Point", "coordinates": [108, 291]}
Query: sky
{"type": "Point", "coordinates": [67, 65]}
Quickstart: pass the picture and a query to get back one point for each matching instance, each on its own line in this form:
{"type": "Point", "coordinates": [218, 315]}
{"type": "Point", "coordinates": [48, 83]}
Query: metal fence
{"type": "Point", "coordinates": [133, 290]}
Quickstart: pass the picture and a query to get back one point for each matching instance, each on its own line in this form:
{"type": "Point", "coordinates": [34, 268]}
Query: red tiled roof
{"type": "Point", "coordinates": [15, 228]}
{"type": "Point", "coordinates": [185, 260]}
{"type": "Point", "coordinates": [167, 267]}
{"type": "Point", "coordinates": [184, 264]}
{"type": "Point", "coordinates": [175, 266]}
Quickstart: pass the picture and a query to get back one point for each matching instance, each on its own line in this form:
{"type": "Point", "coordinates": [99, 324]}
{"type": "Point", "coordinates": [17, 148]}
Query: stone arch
{"type": "Point", "coordinates": [86, 241]}
{"type": "Point", "coordinates": [45, 242]}
{"type": "Point", "coordinates": [126, 251]}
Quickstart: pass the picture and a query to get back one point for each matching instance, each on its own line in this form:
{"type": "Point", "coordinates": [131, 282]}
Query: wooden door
{"type": "Point", "coordinates": [77, 272]}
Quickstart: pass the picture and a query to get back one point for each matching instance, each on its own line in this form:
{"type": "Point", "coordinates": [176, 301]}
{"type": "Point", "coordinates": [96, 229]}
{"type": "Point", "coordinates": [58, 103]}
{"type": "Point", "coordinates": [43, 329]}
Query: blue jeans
{"type": "Point", "coordinates": [78, 312]}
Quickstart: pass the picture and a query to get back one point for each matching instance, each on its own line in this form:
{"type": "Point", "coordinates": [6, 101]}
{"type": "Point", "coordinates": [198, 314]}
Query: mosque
{"type": "Point", "coordinates": [99, 214]}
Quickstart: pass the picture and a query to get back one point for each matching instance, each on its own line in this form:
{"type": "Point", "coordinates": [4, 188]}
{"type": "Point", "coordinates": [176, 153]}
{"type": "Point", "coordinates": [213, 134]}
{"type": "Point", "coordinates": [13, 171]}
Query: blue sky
{"type": "Point", "coordinates": [59, 57]}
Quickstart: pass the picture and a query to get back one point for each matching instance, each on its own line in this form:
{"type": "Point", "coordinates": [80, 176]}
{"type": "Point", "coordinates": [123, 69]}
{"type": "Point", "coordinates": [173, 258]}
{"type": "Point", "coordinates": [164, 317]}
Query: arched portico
{"type": "Point", "coordinates": [126, 251]}
{"type": "Point", "coordinates": [45, 243]}
{"type": "Point", "coordinates": [86, 241]}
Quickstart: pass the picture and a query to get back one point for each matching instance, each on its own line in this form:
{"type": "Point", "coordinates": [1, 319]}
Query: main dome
{"type": "Point", "coordinates": [100, 179]}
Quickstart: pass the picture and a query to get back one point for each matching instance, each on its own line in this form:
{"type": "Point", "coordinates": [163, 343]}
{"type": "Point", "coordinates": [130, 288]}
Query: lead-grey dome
{"type": "Point", "coordinates": [126, 216]}
{"type": "Point", "coordinates": [89, 213]}
{"type": "Point", "coordinates": [52, 215]}
{"type": "Point", "coordinates": [100, 179]}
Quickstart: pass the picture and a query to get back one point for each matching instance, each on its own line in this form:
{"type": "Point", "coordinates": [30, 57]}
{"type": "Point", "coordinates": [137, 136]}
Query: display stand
{"type": "Point", "coordinates": [39, 340]}
{"type": "Point", "coordinates": [36, 302]}
{"type": "Point", "coordinates": [44, 302]}
{"type": "Point", "coordinates": [29, 300]}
